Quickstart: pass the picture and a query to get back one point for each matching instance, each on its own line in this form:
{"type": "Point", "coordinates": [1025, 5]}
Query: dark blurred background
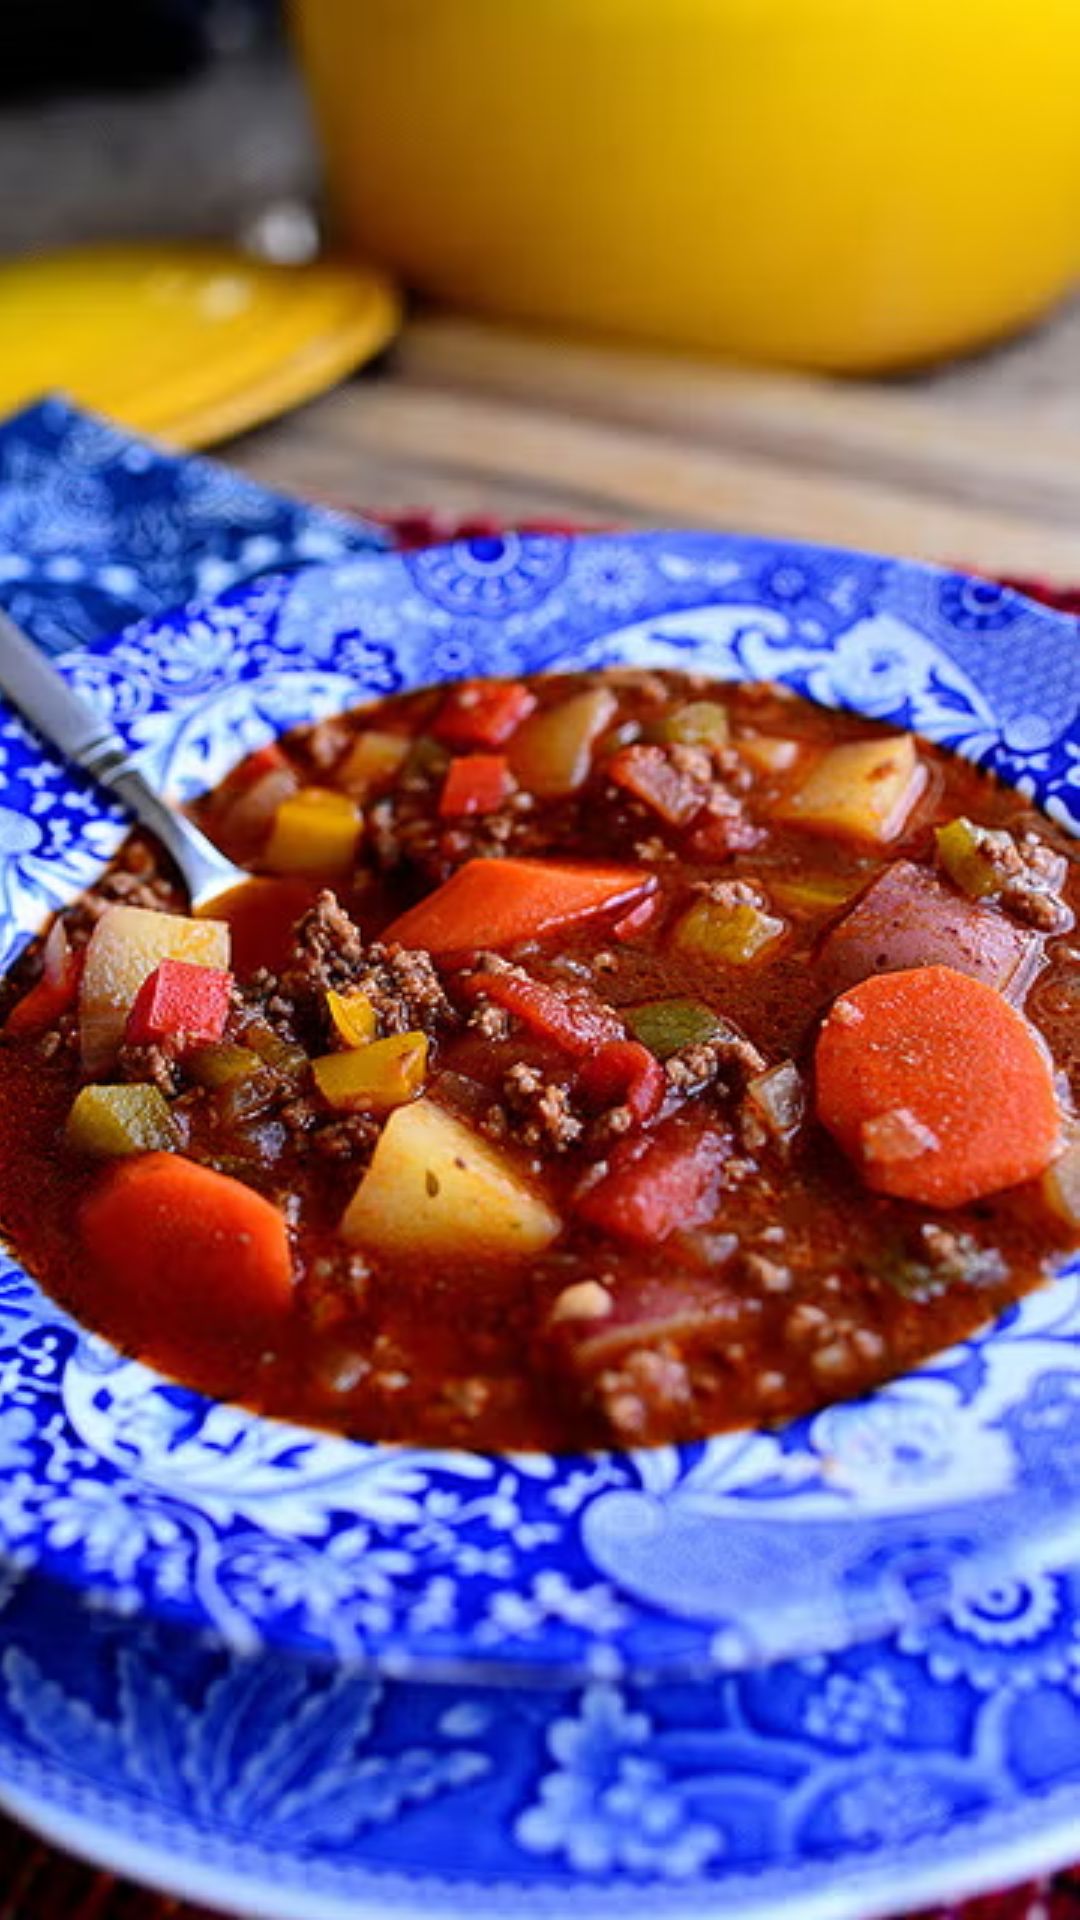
{"type": "Point", "coordinates": [49, 45]}
{"type": "Point", "coordinates": [160, 119]}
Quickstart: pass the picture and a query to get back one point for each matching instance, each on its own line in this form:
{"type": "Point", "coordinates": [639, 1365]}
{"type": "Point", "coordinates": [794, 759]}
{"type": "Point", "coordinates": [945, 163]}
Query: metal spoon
{"type": "Point", "coordinates": [46, 700]}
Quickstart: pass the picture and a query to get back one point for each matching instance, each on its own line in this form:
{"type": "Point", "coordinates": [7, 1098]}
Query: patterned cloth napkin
{"type": "Point", "coordinates": [98, 529]}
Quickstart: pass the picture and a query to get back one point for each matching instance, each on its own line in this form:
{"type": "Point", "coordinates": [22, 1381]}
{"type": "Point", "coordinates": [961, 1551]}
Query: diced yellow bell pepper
{"type": "Point", "coordinates": [315, 831]}
{"type": "Point", "coordinates": [701, 723]}
{"type": "Point", "coordinates": [816, 892]}
{"type": "Point", "coordinates": [551, 753]}
{"type": "Point", "coordinates": [375, 1078]}
{"type": "Point", "coordinates": [865, 789]}
{"type": "Point", "coordinates": [109, 1121]}
{"type": "Point", "coordinates": [964, 861]}
{"type": "Point", "coordinates": [436, 1187]}
{"type": "Point", "coordinates": [768, 753]}
{"type": "Point", "coordinates": [372, 762]}
{"type": "Point", "coordinates": [353, 1017]}
{"type": "Point", "coordinates": [732, 936]}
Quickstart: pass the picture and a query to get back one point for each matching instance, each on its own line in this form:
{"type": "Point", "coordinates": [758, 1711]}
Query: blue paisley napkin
{"type": "Point", "coordinates": [98, 528]}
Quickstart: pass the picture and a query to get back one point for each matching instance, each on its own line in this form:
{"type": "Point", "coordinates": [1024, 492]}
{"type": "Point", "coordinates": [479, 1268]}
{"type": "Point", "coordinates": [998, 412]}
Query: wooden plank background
{"type": "Point", "coordinates": [471, 418]}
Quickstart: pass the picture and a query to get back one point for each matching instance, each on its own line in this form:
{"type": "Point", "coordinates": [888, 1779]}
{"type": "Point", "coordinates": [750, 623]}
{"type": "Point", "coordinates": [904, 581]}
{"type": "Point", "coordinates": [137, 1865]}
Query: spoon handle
{"type": "Point", "coordinates": [61, 717]}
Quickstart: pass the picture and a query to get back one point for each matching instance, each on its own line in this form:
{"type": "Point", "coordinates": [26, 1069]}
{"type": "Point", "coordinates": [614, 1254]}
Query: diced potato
{"type": "Point", "coordinates": [768, 753]}
{"type": "Point", "coordinates": [701, 723]}
{"type": "Point", "coordinates": [353, 1017]}
{"type": "Point", "coordinates": [372, 762]}
{"type": "Point", "coordinates": [865, 789]}
{"type": "Point", "coordinates": [315, 831]}
{"type": "Point", "coordinates": [111, 1121]}
{"type": "Point", "coordinates": [244, 815]}
{"type": "Point", "coordinates": [125, 947]}
{"type": "Point", "coordinates": [733, 936]}
{"type": "Point", "coordinates": [435, 1187]}
{"type": "Point", "coordinates": [375, 1078]}
{"type": "Point", "coordinates": [1061, 1185]}
{"type": "Point", "coordinates": [551, 753]}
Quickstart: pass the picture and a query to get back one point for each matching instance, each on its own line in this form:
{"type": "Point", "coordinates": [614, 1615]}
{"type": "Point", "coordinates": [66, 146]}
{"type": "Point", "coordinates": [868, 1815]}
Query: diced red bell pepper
{"type": "Point", "coordinates": [475, 783]}
{"type": "Point", "coordinates": [50, 996]}
{"type": "Point", "coordinates": [573, 1020]}
{"type": "Point", "coordinates": [496, 903]}
{"type": "Point", "coordinates": [482, 713]}
{"type": "Point", "coordinates": [624, 1073]}
{"type": "Point", "coordinates": [658, 1183]}
{"type": "Point", "coordinates": [646, 774]}
{"type": "Point", "coordinates": [180, 999]}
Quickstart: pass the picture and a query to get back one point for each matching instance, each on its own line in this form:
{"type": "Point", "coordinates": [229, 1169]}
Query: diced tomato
{"type": "Point", "coordinates": [483, 713]}
{"type": "Point", "coordinates": [475, 783]}
{"type": "Point", "coordinates": [646, 774]}
{"type": "Point", "coordinates": [573, 1020]}
{"type": "Point", "coordinates": [268, 759]}
{"type": "Point", "coordinates": [658, 1183]}
{"type": "Point", "coordinates": [624, 1073]}
{"type": "Point", "coordinates": [179, 998]}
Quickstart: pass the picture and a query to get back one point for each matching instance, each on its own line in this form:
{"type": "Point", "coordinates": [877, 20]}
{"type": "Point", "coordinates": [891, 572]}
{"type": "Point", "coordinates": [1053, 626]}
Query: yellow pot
{"type": "Point", "coordinates": [847, 184]}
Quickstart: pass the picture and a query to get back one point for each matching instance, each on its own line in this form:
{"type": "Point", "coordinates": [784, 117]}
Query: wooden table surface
{"type": "Point", "coordinates": [469, 417]}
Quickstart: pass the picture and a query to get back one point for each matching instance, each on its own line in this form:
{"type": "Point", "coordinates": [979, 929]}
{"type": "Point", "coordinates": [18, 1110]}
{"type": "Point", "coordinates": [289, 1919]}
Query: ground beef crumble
{"type": "Point", "coordinates": [157, 1063]}
{"type": "Point", "coordinates": [402, 985]}
{"type": "Point", "coordinates": [728, 1057]}
{"type": "Point", "coordinates": [543, 1107]}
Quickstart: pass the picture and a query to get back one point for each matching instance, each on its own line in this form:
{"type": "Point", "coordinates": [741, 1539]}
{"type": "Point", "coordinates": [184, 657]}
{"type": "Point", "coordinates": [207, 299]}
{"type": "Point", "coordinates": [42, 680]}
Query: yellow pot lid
{"type": "Point", "coordinates": [189, 343]}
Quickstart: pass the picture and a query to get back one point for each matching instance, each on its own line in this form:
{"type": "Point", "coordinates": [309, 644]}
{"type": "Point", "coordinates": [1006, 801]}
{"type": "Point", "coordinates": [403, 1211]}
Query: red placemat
{"type": "Point", "coordinates": [39, 1883]}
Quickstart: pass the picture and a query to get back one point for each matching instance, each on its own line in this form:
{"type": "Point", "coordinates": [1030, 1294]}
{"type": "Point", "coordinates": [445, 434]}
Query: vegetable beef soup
{"type": "Point", "coordinates": [599, 1058]}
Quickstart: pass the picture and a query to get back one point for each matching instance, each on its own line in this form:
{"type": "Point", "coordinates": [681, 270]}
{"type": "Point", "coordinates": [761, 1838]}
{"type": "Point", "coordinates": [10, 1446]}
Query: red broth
{"type": "Point", "coordinates": [648, 1233]}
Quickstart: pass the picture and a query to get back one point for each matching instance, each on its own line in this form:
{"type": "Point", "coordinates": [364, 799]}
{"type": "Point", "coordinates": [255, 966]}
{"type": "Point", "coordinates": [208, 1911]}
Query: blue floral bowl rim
{"type": "Point", "coordinates": [567, 1539]}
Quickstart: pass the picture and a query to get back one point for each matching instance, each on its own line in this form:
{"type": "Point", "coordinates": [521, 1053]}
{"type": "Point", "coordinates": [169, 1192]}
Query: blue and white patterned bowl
{"type": "Point", "coordinates": [225, 1641]}
{"type": "Point", "coordinates": [141, 1495]}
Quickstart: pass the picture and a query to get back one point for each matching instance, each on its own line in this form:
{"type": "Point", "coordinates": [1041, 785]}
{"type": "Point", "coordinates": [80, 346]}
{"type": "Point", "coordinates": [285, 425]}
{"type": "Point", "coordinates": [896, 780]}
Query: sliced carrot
{"type": "Point", "coordinates": [45, 1002]}
{"type": "Point", "coordinates": [936, 1087]}
{"type": "Point", "coordinates": [496, 903]}
{"type": "Point", "coordinates": [198, 1250]}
